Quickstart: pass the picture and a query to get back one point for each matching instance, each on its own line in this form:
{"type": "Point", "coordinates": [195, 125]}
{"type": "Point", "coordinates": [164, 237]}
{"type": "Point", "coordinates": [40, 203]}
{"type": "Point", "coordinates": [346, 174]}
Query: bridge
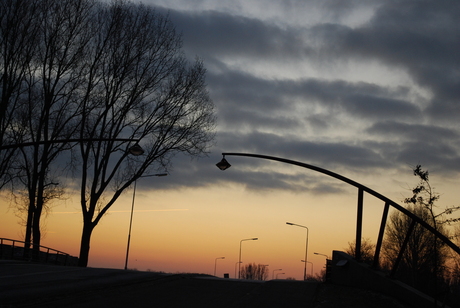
{"type": "Point", "coordinates": [20, 250]}
{"type": "Point", "coordinates": [341, 261]}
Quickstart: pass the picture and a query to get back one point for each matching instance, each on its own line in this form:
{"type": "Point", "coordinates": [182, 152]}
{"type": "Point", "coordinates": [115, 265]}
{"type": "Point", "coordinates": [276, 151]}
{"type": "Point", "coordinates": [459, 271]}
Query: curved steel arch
{"type": "Point", "coordinates": [361, 189]}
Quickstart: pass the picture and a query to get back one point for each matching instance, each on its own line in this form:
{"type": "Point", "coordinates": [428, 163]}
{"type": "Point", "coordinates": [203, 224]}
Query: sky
{"type": "Point", "coordinates": [367, 89]}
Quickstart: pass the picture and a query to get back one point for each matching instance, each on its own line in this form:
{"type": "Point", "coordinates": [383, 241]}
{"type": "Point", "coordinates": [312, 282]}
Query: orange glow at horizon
{"type": "Point", "coordinates": [186, 230]}
{"type": "Point", "coordinates": [172, 236]}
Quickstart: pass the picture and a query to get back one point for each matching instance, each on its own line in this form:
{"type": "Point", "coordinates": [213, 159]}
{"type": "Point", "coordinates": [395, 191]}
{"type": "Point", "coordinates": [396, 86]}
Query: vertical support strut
{"type": "Point", "coordinates": [403, 248]}
{"type": "Point", "coordinates": [359, 225]}
{"type": "Point", "coordinates": [378, 246]}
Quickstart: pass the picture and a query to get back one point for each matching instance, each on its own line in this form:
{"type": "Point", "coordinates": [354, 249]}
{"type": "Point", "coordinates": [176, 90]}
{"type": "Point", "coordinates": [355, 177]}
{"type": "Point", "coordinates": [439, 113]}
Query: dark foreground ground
{"type": "Point", "coordinates": [37, 285]}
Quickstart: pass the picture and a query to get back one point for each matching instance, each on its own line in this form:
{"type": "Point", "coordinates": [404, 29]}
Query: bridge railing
{"type": "Point", "coordinates": [359, 221]}
{"type": "Point", "coordinates": [19, 250]}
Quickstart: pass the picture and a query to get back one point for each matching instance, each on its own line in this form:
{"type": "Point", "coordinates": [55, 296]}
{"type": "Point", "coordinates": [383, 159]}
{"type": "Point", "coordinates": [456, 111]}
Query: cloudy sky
{"type": "Point", "coordinates": [353, 86]}
{"type": "Point", "coordinates": [367, 89]}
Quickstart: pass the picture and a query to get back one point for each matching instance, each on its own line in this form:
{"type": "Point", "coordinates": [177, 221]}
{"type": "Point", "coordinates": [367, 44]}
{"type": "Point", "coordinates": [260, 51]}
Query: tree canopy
{"type": "Point", "coordinates": [103, 76]}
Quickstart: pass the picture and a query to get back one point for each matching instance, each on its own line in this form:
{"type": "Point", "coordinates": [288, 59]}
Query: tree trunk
{"type": "Point", "coordinates": [85, 244]}
{"type": "Point", "coordinates": [36, 233]}
{"type": "Point", "coordinates": [28, 235]}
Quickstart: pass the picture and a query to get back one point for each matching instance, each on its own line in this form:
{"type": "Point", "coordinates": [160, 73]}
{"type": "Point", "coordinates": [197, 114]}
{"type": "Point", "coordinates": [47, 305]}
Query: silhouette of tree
{"type": "Point", "coordinates": [423, 264]}
{"type": "Point", "coordinates": [43, 42]}
{"type": "Point", "coordinates": [139, 86]}
{"type": "Point", "coordinates": [18, 40]}
{"type": "Point", "coordinates": [109, 75]}
{"type": "Point", "coordinates": [254, 271]}
{"type": "Point", "coordinates": [367, 250]}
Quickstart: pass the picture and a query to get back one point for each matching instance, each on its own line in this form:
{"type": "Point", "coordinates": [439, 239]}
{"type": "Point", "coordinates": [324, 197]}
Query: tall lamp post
{"type": "Point", "coordinates": [306, 249]}
{"type": "Point", "coordinates": [215, 264]}
{"type": "Point", "coordinates": [273, 273]}
{"type": "Point", "coordinates": [235, 267]}
{"type": "Point", "coordinates": [239, 260]}
{"type": "Point", "coordinates": [311, 268]}
{"type": "Point", "coordinates": [139, 151]}
{"type": "Point", "coordinates": [327, 259]}
{"type": "Point", "coordinates": [311, 272]}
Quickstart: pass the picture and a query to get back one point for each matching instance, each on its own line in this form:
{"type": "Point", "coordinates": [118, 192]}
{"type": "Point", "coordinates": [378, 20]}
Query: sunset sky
{"type": "Point", "coordinates": [367, 89]}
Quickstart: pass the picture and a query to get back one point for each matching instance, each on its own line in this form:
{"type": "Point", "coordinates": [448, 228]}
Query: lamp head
{"type": "Point", "coordinates": [136, 150]}
{"type": "Point", "coordinates": [223, 164]}
{"type": "Point", "coordinates": [289, 223]}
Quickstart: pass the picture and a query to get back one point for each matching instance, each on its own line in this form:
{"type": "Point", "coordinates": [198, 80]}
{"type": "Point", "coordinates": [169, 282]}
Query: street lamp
{"type": "Point", "coordinates": [235, 267]}
{"type": "Point", "coordinates": [311, 275]}
{"type": "Point", "coordinates": [320, 254]}
{"type": "Point", "coordinates": [279, 274]}
{"type": "Point", "coordinates": [239, 260]}
{"type": "Point", "coordinates": [311, 268]}
{"type": "Point", "coordinates": [137, 151]}
{"type": "Point", "coordinates": [306, 249]}
{"type": "Point", "coordinates": [215, 264]}
{"type": "Point", "coordinates": [223, 164]}
{"type": "Point", "coordinates": [273, 273]}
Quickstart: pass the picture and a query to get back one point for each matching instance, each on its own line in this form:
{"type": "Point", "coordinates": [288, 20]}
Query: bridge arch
{"type": "Point", "coordinates": [223, 165]}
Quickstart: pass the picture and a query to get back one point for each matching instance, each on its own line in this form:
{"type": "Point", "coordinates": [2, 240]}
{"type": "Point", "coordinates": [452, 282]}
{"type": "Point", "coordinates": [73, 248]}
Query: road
{"type": "Point", "coordinates": [25, 284]}
{"type": "Point", "coordinates": [39, 285]}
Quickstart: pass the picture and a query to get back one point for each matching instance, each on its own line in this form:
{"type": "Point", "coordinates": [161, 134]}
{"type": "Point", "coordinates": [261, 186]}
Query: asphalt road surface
{"type": "Point", "coordinates": [39, 285]}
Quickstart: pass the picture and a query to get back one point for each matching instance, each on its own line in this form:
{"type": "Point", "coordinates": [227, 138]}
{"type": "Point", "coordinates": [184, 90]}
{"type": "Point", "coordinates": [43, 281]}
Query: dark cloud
{"type": "Point", "coordinates": [241, 97]}
{"type": "Point", "coordinates": [441, 158]}
{"type": "Point", "coordinates": [421, 37]}
{"type": "Point", "coordinates": [213, 34]}
{"type": "Point", "coordinates": [322, 116]}
{"type": "Point", "coordinates": [413, 144]}
{"type": "Point", "coordinates": [322, 153]}
{"type": "Point", "coordinates": [416, 132]}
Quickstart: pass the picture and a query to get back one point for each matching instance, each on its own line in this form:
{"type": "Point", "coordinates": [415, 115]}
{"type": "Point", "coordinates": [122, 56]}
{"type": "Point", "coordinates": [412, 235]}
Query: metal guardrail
{"type": "Point", "coordinates": [20, 250]}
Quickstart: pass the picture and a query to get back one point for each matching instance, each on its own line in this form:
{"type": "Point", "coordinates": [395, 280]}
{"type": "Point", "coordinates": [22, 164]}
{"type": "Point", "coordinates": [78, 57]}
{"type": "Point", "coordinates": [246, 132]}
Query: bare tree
{"type": "Point", "coordinates": [423, 195]}
{"type": "Point", "coordinates": [424, 261]}
{"type": "Point", "coordinates": [454, 270]}
{"type": "Point", "coordinates": [18, 43]}
{"type": "Point", "coordinates": [51, 194]}
{"type": "Point", "coordinates": [367, 250]}
{"type": "Point", "coordinates": [139, 87]}
{"type": "Point", "coordinates": [45, 115]}
{"type": "Point", "coordinates": [254, 271]}
{"type": "Point", "coordinates": [108, 75]}
{"type": "Point", "coordinates": [423, 255]}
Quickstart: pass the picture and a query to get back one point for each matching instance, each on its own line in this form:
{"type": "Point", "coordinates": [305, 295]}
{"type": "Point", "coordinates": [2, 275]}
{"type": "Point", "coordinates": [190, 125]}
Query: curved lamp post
{"type": "Point", "coordinates": [320, 254]}
{"type": "Point", "coordinates": [224, 164]}
{"type": "Point", "coordinates": [311, 272]}
{"type": "Point", "coordinates": [306, 249]}
{"type": "Point", "coordinates": [215, 264]}
{"type": "Point", "coordinates": [239, 260]}
{"type": "Point", "coordinates": [136, 151]}
{"type": "Point", "coordinates": [273, 273]}
{"type": "Point", "coordinates": [279, 274]}
{"type": "Point", "coordinates": [77, 140]}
